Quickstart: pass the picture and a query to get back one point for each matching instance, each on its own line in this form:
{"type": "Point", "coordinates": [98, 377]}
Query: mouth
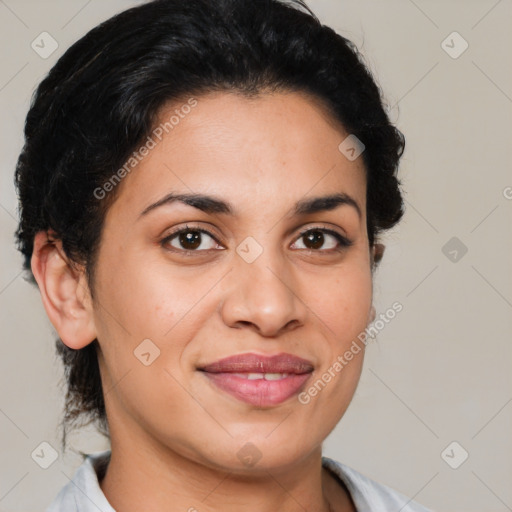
{"type": "Point", "coordinates": [259, 380]}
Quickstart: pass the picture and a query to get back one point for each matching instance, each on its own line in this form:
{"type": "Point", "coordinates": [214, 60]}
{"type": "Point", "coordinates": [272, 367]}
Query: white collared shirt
{"type": "Point", "coordinates": [83, 493]}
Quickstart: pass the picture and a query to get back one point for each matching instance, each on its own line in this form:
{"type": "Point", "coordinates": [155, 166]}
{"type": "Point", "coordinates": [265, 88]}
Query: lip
{"type": "Point", "coordinates": [257, 363]}
{"type": "Point", "coordinates": [231, 375]}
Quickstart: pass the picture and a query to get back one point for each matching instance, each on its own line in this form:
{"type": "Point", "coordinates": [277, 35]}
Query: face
{"type": "Point", "coordinates": [179, 287]}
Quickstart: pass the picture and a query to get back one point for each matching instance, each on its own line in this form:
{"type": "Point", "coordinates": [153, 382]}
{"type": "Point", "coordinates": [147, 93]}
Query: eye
{"type": "Point", "coordinates": [191, 239]}
{"type": "Point", "coordinates": [194, 239]}
{"type": "Point", "coordinates": [315, 238]}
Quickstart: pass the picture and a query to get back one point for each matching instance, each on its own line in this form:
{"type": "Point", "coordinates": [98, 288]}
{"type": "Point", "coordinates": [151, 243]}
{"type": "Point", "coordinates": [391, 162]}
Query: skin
{"type": "Point", "coordinates": [173, 433]}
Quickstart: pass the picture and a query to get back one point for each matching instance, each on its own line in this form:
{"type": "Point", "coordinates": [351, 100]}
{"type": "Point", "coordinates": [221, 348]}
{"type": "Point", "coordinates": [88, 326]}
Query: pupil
{"type": "Point", "coordinates": [316, 238]}
{"type": "Point", "coordinates": [190, 239]}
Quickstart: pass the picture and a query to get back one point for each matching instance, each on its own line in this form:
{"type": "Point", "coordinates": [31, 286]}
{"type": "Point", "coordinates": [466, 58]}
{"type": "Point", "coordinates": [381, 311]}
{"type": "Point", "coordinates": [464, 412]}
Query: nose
{"type": "Point", "coordinates": [262, 296]}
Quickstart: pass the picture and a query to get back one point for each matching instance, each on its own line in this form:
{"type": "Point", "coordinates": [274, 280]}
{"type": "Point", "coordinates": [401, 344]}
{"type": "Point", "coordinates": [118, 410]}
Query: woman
{"type": "Point", "coordinates": [202, 190]}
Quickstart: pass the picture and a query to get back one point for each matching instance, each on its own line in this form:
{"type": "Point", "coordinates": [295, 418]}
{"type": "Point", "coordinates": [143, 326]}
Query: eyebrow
{"type": "Point", "coordinates": [214, 205]}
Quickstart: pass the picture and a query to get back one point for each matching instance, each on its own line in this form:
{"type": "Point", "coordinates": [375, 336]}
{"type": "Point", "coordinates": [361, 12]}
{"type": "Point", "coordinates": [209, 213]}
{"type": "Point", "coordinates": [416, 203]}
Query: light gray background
{"type": "Point", "coordinates": [440, 371]}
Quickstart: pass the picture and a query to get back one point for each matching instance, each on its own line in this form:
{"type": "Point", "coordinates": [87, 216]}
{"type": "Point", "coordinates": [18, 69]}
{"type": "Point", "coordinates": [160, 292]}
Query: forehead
{"type": "Point", "coordinates": [262, 151]}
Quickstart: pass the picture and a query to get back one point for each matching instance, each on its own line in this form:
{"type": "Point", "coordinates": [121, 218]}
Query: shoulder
{"type": "Point", "coordinates": [83, 492]}
{"type": "Point", "coordinates": [369, 495]}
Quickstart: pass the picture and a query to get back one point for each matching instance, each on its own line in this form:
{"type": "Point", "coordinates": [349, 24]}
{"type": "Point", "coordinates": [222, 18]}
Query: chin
{"type": "Point", "coordinates": [260, 453]}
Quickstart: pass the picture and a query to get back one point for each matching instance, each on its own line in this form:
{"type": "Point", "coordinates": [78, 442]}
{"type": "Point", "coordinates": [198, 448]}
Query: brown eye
{"type": "Point", "coordinates": [313, 239]}
{"type": "Point", "coordinates": [191, 240]}
{"type": "Point", "coordinates": [322, 240]}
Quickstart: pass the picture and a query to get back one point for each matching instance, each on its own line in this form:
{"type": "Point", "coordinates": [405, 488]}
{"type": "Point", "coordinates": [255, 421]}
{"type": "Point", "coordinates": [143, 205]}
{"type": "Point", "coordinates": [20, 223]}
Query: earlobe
{"type": "Point", "coordinates": [64, 292]}
{"type": "Point", "coordinates": [377, 253]}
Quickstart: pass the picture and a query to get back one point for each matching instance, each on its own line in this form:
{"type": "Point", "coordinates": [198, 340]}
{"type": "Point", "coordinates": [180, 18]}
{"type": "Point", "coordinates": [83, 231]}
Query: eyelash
{"type": "Point", "coordinates": [344, 242]}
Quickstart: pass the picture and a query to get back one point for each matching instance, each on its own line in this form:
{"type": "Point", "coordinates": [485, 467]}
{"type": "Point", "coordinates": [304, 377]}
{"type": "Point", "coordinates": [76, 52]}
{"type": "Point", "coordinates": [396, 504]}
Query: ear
{"type": "Point", "coordinates": [377, 252]}
{"type": "Point", "coordinates": [64, 291]}
{"type": "Point", "coordinates": [372, 315]}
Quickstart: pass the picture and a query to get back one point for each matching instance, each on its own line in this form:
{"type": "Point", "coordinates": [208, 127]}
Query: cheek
{"type": "Point", "coordinates": [342, 306]}
{"type": "Point", "coordinates": [150, 301]}
{"type": "Point", "coordinates": [343, 303]}
{"type": "Point", "coordinates": [145, 299]}
{"type": "Point", "coordinates": [139, 302]}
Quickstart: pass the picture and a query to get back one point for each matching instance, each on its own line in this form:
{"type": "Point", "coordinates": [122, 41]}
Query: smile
{"type": "Point", "coordinates": [279, 377]}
